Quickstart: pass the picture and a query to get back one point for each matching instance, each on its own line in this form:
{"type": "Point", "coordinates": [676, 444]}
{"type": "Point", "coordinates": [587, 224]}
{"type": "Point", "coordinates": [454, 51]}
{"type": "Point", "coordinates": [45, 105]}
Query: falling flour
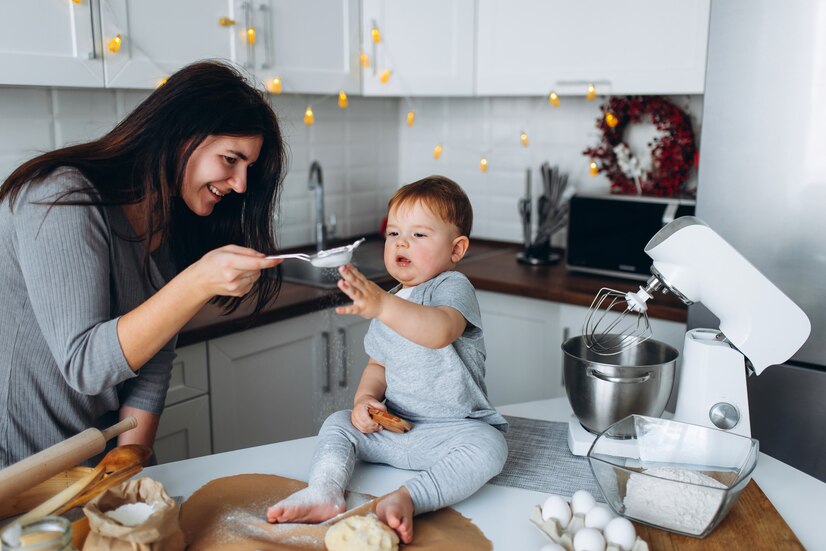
{"type": "Point", "coordinates": [131, 514]}
{"type": "Point", "coordinates": [688, 507]}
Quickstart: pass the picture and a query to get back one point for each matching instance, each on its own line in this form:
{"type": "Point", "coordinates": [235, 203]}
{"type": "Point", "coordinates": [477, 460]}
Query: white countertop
{"type": "Point", "coordinates": [502, 513]}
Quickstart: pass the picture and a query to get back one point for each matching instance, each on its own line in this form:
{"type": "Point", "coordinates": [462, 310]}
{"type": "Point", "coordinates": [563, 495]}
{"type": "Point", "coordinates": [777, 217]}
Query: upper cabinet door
{"type": "Point", "coordinates": [49, 43]}
{"type": "Point", "coordinates": [427, 45]}
{"type": "Point", "coordinates": [311, 45]}
{"type": "Point", "coordinates": [159, 37]}
{"type": "Point", "coordinates": [531, 47]}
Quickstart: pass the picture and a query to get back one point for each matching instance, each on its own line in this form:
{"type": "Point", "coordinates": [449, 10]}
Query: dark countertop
{"type": "Point", "coordinates": [490, 266]}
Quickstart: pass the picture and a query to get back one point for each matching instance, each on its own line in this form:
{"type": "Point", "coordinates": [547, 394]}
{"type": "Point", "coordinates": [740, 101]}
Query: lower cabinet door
{"type": "Point", "coordinates": [183, 431]}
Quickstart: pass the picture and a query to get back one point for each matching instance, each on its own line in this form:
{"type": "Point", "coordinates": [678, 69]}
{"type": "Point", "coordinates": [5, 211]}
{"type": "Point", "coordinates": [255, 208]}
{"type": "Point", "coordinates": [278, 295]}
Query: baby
{"type": "Point", "coordinates": [427, 365]}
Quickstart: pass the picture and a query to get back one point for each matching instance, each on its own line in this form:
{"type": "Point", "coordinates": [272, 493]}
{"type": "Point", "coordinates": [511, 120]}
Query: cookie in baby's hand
{"type": "Point", "coordinates": [361, 533]}
{"type": "Point", "coordinates": [389, 421]}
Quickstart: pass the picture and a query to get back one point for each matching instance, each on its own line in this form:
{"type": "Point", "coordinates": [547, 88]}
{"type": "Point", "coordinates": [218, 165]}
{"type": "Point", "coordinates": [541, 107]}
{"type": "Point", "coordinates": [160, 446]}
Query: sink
{"type": "Point", "coordinates": [368, 258]}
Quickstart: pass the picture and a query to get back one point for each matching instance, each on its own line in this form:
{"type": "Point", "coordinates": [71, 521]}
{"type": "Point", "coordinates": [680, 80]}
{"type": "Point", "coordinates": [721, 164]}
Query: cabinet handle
{"type": "Point", "coordinates": [566, 332]}
{"type": "Point", "coordinates": [342, 335]}
{"type": "Point", "coordinates": [328, 376]}
{"type": "Point", "coordinates": [248, 24]}
{"type": "Point", "coordinates": [267, 36]}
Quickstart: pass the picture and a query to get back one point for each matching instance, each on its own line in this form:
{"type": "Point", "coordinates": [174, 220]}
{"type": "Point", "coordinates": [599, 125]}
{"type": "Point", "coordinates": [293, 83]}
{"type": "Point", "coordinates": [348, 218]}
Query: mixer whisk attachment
{"type": "Point", "coordinates": [617, 321]}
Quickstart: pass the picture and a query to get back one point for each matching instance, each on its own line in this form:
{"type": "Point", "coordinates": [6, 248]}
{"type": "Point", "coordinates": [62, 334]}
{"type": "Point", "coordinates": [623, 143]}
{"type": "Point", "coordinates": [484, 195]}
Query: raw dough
{"type": "Point", "coordinates": [361, 533]}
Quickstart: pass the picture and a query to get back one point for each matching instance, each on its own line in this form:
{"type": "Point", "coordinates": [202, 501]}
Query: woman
{"type": "Point", "coordinates": [110, 247]}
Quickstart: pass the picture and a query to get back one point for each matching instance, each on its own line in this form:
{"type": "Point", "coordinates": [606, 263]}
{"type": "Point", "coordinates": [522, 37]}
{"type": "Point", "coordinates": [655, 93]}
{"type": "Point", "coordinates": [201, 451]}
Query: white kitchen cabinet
{"type": "Point", "coordinates": [428, 45]}
{"type": "Point", "coordinates": [531, 47]}
{"type": "Point", "coordinates": [312, 45]}
{"type": "Point", "coordinates": [184, 431]}
{"type": "Point", "coordinates": [49, 43]}
{"type": "Point", "coordinates": [160, 37]}
{"type": "Point", "coordinates": [523, 358]}
{"type": "Point", "coordinates": [190, 377]}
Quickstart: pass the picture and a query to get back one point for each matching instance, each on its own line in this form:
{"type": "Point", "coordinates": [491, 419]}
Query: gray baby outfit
{"type": "Point", "coordinates": [68, 272]}
{"type": "Point", "coordinates": [457, 441]}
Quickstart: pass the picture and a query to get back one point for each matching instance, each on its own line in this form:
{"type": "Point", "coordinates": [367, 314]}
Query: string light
{"type": "Point", "coordinates": [161, 81]}
{"type": "Point", "coordinates": [592, 92]}
{"type": "Point", "coordinates": [483, 164]}
{"type": "Point", "coordinates": [343, 102]}
{"type": "Point", "coordinates": [76, 1]}
{"type": "Point", "coordinates": [115, 44]}
{"type": "Point", "coordinates": [554, 99]}
{"type": "Point", "coordinates": [611, 120]}
{"type": "Point", "coordinates": [275, 85]}
{"type": "Point", "coordinates": [376, 35]}
{"type": "Point", "coordinates": [309, 117]}
{"type": "Point", "coordinates": [594, 169]}
{"type": "Point", "coordinates": [364, 60]}
{"type": "Point", "coordinates": [437, 152]}
{"type": "Point", "coordinates": [411, 118]}
{"type": "Point", "coordinates": [251, 35]}
{"type": "Point", "coordinates": [385, 76]}
{"type": "Point", "coordinates": [523, 139]}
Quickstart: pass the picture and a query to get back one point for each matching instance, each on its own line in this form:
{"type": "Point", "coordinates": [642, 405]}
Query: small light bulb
{"type": "Point", "coordinates": [251, 35]}
{"type": "Point", "coordinates": [115, 44]}
{"type": "Point", "coordinates": [309, 117]}
{"type": "Point", "coordinates": [76, 1]}
{"type": "Point", "coordinates": [161, 81]}
{"type": "Point", "coordinates": [594, 169]}
{"type": "Point", "coordinates": [554, 99]}
{"type": "Point", "coordinates": [364, 60]}
{"type": "Point", "coordinates": [275, 85]}
{"type": "Point", "coordinates": [523, 139]}
{"type": "Point", "coordinates": [611, 120]}
{"type": "Point", "coordinates": [384, 77]}
{"type": "Point", "coordinates": [483, 164]}
{"type": "Point", "coordinates": [411, 118]}
{"type": "Point", "coordinates": [376, 35]}
{"type": "Point", "coordinates": [343, 102]}
{"type": "Point", "coordinates": [437, 152]}
{"type": "Point", "coordinates": [592, 92]}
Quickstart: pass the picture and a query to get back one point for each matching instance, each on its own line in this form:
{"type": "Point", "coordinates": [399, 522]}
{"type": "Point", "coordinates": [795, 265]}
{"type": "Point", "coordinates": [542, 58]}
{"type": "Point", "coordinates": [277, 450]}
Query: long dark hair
{"type": "Point", "coordinates": [143, 159]}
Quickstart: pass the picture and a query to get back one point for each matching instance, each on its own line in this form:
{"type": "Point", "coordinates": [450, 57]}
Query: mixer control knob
{"type": "Point", "coordinates": [724, 415]}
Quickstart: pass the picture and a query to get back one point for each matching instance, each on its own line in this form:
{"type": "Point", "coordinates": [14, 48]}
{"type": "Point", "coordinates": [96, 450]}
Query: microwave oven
{"type": "Point", "coordinates": [607, 234]}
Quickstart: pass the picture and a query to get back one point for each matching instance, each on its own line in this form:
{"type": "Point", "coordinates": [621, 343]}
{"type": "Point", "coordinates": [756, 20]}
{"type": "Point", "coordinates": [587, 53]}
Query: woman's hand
{"type": "Point", "coordinates": [368, 298]}
{"type": "Point", "coordinates": [361, 419]}
{"type": "Point", "coordinates": [230, 270]}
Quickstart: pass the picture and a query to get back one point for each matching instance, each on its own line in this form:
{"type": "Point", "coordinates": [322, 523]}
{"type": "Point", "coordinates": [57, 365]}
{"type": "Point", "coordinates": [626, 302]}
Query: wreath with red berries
{"type": "Point", "coordinates": [672, 152]}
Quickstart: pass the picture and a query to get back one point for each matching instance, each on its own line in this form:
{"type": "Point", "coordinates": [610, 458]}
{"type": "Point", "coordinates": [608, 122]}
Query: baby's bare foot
{"type": "Point", "coordinates": [396, 511]}
{"type": "Point", "coordinates": [310, 505]}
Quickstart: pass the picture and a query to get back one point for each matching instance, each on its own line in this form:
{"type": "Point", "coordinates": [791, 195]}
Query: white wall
{"type": "Point", "coordinates": [366, 151]}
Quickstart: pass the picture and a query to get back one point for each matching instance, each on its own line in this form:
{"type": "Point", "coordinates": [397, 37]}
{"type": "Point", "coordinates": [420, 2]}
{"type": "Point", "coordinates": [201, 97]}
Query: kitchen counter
{"type": "Point", "coordinates": [501, 512]}
{"type": "Point", "coordinates": [490, 266]}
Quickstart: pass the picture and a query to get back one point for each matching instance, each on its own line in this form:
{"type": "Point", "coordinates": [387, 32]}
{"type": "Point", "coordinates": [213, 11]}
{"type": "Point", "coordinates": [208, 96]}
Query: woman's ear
{"type": "Point", "coordinates": [460, 247]}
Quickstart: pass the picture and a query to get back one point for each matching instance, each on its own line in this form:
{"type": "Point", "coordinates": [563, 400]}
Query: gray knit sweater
{"type": "Point", "coordinates": [67, 273]}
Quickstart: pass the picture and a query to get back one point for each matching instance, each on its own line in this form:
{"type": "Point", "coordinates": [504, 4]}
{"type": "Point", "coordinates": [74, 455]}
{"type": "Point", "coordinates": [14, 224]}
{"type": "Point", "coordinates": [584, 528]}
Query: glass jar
{"type": "Point", "coordinates": [43, 534]}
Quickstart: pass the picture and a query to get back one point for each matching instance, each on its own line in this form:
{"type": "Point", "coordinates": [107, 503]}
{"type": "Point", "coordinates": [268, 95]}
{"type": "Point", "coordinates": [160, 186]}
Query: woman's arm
{"type": "Point", "coordinates": [144, 433]}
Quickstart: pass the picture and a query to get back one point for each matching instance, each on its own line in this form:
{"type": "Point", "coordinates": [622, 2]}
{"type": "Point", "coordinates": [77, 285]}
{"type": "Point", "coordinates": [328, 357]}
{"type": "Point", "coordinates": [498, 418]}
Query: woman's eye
{"type": "Point", "coordinates": [230, 160]}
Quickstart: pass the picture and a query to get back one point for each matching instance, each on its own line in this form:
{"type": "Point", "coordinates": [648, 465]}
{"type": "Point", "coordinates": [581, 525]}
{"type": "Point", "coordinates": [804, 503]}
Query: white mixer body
{"type": "Point", "coordinates": [712, 389]}
{"type": "Point", "coordinates": [755, 316]}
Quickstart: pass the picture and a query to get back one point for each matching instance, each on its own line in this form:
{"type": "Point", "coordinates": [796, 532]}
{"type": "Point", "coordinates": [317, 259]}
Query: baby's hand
{"type": "Point", "coordinates": [368, 298]}
{"type": "Point", "coordinates": [361, 418]}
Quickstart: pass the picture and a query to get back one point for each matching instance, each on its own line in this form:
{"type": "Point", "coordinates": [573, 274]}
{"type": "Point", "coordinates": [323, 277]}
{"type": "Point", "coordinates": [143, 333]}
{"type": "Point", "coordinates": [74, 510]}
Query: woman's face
{"type": "Point", "coordinates": [216, 168]}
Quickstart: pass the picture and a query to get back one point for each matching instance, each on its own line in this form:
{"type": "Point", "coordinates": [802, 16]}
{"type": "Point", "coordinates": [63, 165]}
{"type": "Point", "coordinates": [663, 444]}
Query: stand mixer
{"type": "Point", "coordinates": [759, 325]}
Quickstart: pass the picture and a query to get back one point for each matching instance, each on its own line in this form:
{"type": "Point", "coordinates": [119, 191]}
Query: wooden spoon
{"type": "Point", "coordinates": [119, 459]}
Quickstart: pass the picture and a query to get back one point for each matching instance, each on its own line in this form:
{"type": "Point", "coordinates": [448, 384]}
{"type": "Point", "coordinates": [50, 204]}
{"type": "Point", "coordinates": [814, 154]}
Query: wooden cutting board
{"type": "Point", "coordinates": [753, 523]}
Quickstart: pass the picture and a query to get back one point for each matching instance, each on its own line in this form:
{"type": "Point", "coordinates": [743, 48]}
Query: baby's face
{"type": "Point", "coordinates": [418, 245]}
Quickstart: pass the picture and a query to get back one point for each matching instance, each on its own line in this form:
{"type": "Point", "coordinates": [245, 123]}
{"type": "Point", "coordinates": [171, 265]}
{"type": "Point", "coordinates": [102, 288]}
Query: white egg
{"type": "Point", "coordinates": [552, 547]}
{"type": "Point", "coordinates": [589, 539]}
{"type": "Point", "coordinates": [620, 532]}
{"type": "Point", "coordinates": [555, 507]}
{"type": "Point", "coordinates": [598, 517]}
{"type": "Point", "coordinates": [582, 501]}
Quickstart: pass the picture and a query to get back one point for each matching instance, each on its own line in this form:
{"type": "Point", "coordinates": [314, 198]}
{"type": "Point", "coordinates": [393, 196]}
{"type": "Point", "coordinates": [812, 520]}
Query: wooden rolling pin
{"type": "Point", "coordinates": [33, 470]}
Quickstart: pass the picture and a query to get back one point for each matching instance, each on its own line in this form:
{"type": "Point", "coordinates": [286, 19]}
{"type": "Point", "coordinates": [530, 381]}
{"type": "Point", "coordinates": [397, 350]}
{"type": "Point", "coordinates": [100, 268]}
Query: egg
{"type": "Point", "coordinates": [552, 547]}
{"type": "Point", "coordinates": [581, 502]}
{"type": "Point", "coordinates": [620, 532]}
{"type": "Point", "coordinates": [598, 517]}
{"type": "Point", "coordinates": [589, 539]}
{"type": "Point", "coordinates": [555, 507]}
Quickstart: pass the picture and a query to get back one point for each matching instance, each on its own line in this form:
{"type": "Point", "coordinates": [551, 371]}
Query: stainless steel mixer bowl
{"type": "Point", "coordinates": [604, 389]}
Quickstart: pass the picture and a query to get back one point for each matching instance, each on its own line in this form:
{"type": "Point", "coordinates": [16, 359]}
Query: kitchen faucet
{"type": "Point", "coordinates": [316, 182]}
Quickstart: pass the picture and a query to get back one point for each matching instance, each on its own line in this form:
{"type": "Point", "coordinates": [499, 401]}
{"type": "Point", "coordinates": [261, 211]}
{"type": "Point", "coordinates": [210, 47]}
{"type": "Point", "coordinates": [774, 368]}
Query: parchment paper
{"type": "Point", "coordinates": [230, 514]}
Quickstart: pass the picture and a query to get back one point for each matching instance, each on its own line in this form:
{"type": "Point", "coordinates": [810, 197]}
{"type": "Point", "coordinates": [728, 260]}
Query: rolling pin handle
{"type": "Point", "coordinates": [128, 423]}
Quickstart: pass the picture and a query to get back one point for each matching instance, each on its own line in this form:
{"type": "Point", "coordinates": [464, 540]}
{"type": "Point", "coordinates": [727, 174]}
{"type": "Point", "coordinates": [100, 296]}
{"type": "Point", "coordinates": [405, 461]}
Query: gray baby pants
{"type": "Point", "coordinates": [455, 458]}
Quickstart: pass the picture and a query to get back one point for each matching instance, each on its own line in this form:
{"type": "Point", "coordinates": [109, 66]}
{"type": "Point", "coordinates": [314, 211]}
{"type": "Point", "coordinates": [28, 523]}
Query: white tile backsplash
{"type": "Point", "coordinates": [366, 151]}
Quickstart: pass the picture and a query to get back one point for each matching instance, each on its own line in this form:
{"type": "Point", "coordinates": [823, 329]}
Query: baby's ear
{"type": "Point", "coordinates": [460, 247]}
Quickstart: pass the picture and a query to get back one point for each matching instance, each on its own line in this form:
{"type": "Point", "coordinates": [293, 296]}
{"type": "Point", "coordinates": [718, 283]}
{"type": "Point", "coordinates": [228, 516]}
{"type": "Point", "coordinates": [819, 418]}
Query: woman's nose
{"type": "Point", "coordinates": [238, 182]}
